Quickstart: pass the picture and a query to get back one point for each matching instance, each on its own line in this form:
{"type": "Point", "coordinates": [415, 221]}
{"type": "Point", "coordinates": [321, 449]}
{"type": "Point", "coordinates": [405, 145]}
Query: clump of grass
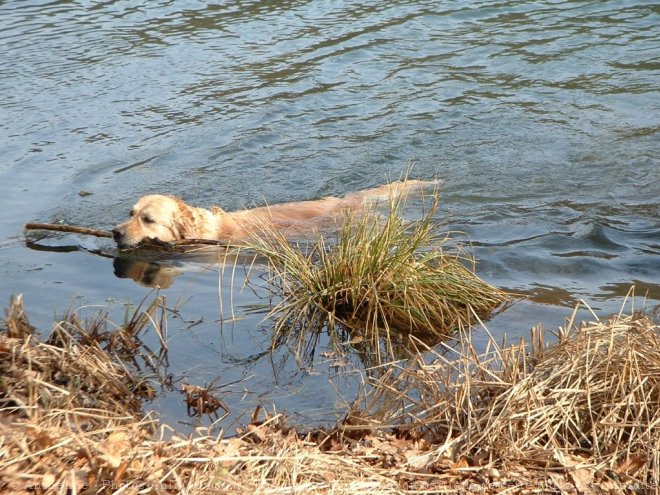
{"type": "Point", "coordinates": [588, 403]}
{"type": "Point", "coordinates": [71, 416]}
{"type": "Point", "coordinates": [383, 277]}
{"type": "Point", "coordinates": [76, 358]}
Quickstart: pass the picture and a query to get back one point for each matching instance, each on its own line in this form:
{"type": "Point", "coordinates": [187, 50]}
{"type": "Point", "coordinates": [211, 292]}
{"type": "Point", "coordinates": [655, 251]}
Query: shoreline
{"type": "Point", "coordinates": [91, 434]}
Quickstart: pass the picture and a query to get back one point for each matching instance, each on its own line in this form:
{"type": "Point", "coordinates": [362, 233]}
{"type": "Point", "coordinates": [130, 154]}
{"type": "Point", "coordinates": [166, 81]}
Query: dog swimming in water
{"type": "Point", "coordinates": [168, 218]}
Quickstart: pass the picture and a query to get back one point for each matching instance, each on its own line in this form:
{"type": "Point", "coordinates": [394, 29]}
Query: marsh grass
{"type": "Point", "coordinates": [578, 415]}
{"type": "Point", "coordinates": [588, 400]}
{"type": "Point", "coordinates": [382, 277]}
{"type": "Point", "coordinates": [75, 357]}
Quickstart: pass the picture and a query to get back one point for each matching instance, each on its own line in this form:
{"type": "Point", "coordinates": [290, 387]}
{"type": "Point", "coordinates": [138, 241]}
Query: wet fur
{"type": "Point", "coordinates": [169, 218]}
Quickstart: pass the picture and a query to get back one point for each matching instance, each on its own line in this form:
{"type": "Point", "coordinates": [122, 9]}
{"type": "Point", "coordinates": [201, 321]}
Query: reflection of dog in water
{"type": "Point", "coordinates": [161, 273]}
{"type": "Point", "coordinates": [168, 218]}
{"type": "Point", "coordinates": [145, 273]}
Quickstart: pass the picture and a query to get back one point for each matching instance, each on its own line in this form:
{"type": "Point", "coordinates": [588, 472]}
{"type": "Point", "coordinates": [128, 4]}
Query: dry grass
{"type": "Point", "coordinates": [71, 422]}
{"type": "Point", "coordinates": [383, 279]}
{"type": "Point", "coordinates": [589, 400]}
{"type": "Point", "coordinates": [71, 370]}
{"type": "Point", "coordinates": [580, 415]}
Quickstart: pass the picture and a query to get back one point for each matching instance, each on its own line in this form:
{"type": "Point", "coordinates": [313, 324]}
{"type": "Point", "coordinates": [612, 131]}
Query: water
{"type": "Point", "coordinates": [541, 117]}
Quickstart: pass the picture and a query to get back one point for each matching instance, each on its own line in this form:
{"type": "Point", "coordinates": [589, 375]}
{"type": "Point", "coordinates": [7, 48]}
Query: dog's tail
{"type": "Point", "coordinates": [394, 190]}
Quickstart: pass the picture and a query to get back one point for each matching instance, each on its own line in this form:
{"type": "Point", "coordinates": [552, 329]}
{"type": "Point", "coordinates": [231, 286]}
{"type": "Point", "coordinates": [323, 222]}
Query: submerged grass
{"type": "Point", "coordinates": [383, 276]}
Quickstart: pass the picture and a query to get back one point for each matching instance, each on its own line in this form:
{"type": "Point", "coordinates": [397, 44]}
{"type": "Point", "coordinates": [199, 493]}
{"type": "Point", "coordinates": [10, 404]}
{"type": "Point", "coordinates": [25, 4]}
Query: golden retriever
{"type": "Point", "coordinates": [169, 218]}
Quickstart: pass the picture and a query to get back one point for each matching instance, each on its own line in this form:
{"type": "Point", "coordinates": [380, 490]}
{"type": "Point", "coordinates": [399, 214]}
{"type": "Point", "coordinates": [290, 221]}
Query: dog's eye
{"type": "Point", "coordinates": [131, 213]}
{"type": "Point", "coordinates": [147, 219]}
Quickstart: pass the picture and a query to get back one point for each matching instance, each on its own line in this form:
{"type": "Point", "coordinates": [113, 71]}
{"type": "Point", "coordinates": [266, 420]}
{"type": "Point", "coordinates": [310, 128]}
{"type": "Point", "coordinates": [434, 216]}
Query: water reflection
{"type": "Point", "coordinates": [146, 273]}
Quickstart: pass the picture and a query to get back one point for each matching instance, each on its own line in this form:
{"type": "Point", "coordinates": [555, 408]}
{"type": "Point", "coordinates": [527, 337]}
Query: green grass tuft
{"type": "Point", "coordinates": [383, 277]}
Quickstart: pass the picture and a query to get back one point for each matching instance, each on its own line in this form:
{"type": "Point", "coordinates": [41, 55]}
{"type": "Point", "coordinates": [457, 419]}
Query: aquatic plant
{"type": "Point", "coordinates": [382, 277]}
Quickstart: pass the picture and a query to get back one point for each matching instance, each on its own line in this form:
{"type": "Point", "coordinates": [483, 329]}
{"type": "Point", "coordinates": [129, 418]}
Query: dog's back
{"type": "Point", "coordinates": [332, 206]}
{"type": "Point", "coordinates": [301, 216]}
{"type": "Point", "coordinates": [169, 218]}
{"type": "Point", "coordinates": [393, 190]}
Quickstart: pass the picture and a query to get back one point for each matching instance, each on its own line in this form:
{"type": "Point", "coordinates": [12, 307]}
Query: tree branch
{"type": "Point", "coordinates": [103, 233]}
{"type": "Point", "coordinates": [67, 228]}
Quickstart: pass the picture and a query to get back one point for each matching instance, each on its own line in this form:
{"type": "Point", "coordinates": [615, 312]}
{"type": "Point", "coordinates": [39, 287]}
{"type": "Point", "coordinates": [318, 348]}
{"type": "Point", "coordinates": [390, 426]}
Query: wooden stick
{"type": "Point", "coordinates": [103, 233]}
{"type": "Point", "coordinates": [67, 228]}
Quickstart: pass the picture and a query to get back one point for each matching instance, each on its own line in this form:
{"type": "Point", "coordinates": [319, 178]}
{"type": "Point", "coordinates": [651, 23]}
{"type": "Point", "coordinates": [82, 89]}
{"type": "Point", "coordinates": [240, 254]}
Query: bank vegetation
{"type": "Point", "coordinates": [577, 414]}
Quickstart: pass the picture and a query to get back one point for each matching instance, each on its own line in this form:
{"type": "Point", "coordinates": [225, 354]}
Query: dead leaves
{"type": "Point", "coordinates": [115, 449]}
{"type": "Point", "coordinates": [201, 400]}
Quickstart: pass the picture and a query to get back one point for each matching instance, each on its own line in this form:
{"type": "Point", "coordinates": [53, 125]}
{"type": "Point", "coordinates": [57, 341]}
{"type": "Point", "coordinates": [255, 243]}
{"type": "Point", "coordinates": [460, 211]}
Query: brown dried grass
{"type": "Point", "coordinates": [578, 415]}
{"type": "Point", "coordinates": [589, 400]}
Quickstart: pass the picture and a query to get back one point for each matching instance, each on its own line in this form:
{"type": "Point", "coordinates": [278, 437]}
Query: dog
{"type": "Point", "coordinates": [168, 218]}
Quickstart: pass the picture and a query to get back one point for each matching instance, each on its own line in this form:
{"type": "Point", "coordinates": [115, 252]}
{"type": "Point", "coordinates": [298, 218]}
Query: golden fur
{"type": "Point", "coordinates": [169, 218]}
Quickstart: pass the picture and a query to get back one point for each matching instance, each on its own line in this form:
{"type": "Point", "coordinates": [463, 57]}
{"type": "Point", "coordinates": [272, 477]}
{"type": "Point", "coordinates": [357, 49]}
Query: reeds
{"type": "Point", "coordinates": [581, 414]}
{"type": "Point", "coordinates": [382, 277]}
{"type": "Point", "coordinates": [589, 401]}
{"type": "Point", "coordinates": [67, 372]}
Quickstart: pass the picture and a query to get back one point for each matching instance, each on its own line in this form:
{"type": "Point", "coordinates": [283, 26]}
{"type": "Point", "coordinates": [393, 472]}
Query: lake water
{"type": "Point", "coordinates": [541, 118]}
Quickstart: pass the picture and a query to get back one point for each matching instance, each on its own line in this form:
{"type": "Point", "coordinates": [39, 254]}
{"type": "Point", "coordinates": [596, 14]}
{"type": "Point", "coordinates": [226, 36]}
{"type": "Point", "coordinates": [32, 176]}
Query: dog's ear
{"type": "Point", "coordinates": [183, 222]}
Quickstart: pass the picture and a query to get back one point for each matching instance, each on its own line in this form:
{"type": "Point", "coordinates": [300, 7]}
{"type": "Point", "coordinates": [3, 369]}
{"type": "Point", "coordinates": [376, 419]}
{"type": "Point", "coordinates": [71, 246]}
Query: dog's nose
{"type": "Point", "coordinates": [117, 234]}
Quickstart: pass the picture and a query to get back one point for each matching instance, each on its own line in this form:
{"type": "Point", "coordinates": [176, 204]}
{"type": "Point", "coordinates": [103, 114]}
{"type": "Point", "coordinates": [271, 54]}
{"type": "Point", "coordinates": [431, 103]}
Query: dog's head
{"type": "Point", "coordinates": [154, 217]}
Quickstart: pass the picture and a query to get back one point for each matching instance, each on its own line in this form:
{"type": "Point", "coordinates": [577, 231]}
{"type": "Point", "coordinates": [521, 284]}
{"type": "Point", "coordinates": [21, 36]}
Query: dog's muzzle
{"type": "Point", "coordinates": [118, 235]}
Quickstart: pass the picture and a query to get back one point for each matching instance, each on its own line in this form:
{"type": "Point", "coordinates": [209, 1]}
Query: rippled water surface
{"type": "Point", "coordinates": [541, 117]}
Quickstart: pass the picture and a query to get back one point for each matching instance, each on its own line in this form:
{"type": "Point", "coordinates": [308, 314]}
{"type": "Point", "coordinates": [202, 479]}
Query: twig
{"type": "Point", "coordinates": [103, 233]}
{"type": "Point", "coordinates": [67, 228]}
